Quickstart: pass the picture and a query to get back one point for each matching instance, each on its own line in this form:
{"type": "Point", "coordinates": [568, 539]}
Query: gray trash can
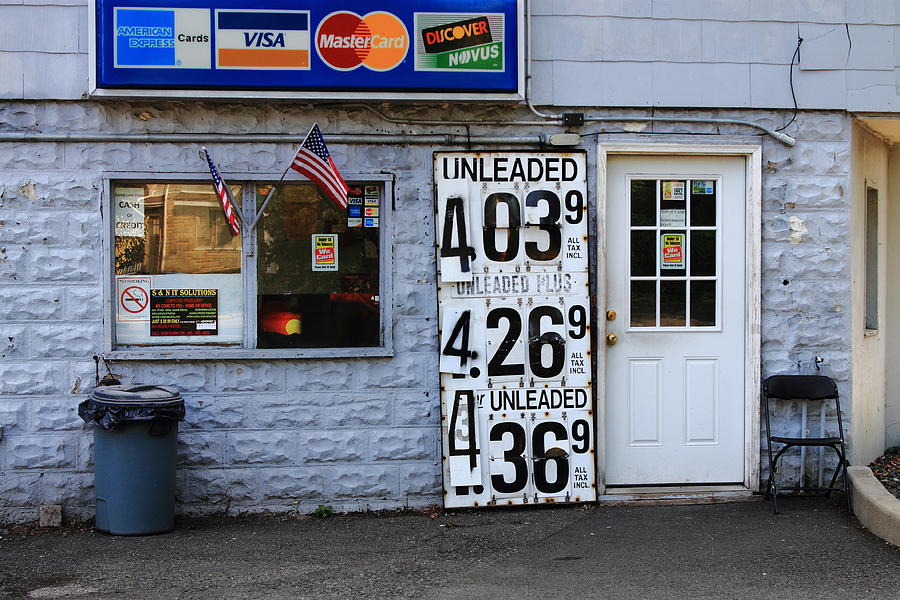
{"type": "Point", "coordinates": [135, 444]}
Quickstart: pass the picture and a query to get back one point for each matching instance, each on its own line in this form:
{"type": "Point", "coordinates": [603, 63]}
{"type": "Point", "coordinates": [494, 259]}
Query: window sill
{"type": "Point", "coordinates": [870, 332]}
{"type": "Point", "coordinates": [195, 353]}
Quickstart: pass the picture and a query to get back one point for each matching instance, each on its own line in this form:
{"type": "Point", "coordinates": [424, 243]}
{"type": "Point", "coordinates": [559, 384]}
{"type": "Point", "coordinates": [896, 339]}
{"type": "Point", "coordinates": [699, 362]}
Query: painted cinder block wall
{"type": "Point", "coordinates": [290, 434]}
{"type": "Point", "coordinates": [286, 435]}
{"type": "Point", "coordinates": [870, 361]}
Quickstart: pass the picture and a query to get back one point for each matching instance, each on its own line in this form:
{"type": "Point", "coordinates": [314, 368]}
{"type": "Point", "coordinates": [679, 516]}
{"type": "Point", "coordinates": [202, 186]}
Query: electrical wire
{"type": "Point", "coordinates": [849, 41]}
{"type": "Point", "coordinates": [795, 57]}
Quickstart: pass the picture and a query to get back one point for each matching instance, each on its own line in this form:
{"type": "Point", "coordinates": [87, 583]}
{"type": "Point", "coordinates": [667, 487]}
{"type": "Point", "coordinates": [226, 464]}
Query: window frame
{"type": "Point", "coordinates": [248, 179]}
{"type": "Point", "coordinates": [658, 278]}
{"type": "Point", "coordinates": [871, 259]}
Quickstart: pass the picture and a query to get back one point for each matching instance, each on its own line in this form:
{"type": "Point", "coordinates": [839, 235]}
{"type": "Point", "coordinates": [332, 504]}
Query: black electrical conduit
{"type": "Point", "coordinates": [446, 139]}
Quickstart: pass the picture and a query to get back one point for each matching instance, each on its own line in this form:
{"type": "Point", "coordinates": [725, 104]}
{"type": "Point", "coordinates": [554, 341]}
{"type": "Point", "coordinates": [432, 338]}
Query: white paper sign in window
{"type": "Point", "coordinates": [129, 211]}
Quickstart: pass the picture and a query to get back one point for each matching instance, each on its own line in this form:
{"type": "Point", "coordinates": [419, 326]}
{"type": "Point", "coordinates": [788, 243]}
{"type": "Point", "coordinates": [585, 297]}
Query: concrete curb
{"type": "Point", "coordinates": [874, 506]}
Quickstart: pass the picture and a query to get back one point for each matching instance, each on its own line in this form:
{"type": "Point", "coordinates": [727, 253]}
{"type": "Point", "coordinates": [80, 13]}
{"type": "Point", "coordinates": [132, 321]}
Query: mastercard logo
{"type": "Point", "coordinates": [345, 40]}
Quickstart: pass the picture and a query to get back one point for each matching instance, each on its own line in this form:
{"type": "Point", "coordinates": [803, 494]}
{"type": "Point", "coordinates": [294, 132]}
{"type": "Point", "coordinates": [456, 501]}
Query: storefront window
{"type": "Point", "coordinates": [177, 267]}
{"type": "Point", "coordinates": [307, 277]}
{"type": "Point", "coordinates": [318, 269]}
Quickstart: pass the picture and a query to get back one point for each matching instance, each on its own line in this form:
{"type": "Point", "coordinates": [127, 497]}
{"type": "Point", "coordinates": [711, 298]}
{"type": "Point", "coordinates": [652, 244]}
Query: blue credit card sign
{"type": "Point", "coordinates": [351, 47]}
{"type": "Point", "coordinates": [145, 38]}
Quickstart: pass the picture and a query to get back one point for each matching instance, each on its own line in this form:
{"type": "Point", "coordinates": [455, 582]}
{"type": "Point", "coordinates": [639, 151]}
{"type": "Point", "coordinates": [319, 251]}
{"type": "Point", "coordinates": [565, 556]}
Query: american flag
{"type": "Point", "coordinates": [222, 194]}
{"type": "Point", "coordinates": [314, 161]}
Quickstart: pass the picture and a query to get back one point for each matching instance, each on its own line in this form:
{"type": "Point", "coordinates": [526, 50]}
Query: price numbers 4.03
{"type": "Point", "coordinates": [506, 232]}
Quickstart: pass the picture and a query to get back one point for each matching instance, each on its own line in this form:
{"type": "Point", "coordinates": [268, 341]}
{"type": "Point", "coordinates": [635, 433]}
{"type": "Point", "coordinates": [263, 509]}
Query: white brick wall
{"type": "Point", "coordinates": [290, 434]}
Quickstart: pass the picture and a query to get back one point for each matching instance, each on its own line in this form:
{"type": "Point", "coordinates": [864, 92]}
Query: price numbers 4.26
{"type": "Point", "coordinates": [546, 328]}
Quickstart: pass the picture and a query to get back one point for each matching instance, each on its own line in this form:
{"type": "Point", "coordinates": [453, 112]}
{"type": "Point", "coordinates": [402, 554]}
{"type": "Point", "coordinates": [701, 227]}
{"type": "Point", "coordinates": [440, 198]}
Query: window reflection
{"type": "Point", "coordinates": [643, 202]}
{"type": "Point", "coordinates": [703, 253]}
{"type": "Point", "coordinates": [298, 305]}
{"type": "Point", "coordinates": [672, 304]}
{"type": "Point", "coordinates": [183, 230]}
{"type": "Point", "coordinates": [703, 303]}
{"type": "Point", "coordinates": [177, 266]}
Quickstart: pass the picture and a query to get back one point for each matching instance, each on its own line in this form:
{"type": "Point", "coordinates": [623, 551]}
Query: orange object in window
{"type": "Point", "coordinates": [282, 322]}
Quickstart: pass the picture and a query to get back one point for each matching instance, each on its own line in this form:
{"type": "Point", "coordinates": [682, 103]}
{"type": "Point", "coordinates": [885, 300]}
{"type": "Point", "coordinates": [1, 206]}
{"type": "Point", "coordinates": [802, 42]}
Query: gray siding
{"type": "Point", "coordinates": [704, 53]}
{"type": "Point", "coordinates": [672, 53]}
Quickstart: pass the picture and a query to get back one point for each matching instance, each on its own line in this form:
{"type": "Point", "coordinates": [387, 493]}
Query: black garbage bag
{"type": "Point", "coordinates": [108, 406]}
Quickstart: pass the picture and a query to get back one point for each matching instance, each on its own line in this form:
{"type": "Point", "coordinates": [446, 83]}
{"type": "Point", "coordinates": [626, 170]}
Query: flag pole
{"type": "Point", "coordinates": [234, 204]}
{"type": "Point", "coordinates": [265, 203]}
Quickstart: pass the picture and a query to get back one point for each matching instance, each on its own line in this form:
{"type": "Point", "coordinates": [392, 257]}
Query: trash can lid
{"type": "Point", "coordinates": [137, 395]}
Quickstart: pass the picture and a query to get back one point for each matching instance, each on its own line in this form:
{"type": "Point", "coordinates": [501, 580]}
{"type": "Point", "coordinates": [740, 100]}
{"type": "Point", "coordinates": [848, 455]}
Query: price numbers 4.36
{"type": "Point", "coordinates": [525, 456]}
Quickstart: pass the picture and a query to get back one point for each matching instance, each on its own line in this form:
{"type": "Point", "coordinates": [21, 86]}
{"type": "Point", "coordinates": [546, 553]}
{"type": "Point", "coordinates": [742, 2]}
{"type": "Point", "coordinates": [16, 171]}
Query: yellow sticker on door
{"type": "Point", "coordinates": [673, 190]}
{"type": "Point", "coordinates": [672, 251]}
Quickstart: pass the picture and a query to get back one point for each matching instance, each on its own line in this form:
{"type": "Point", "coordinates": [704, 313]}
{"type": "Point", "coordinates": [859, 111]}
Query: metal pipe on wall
{"type": "Point", "coordinates": [449, 139]}
{"type": "Point", "coordinates": [268, 138]}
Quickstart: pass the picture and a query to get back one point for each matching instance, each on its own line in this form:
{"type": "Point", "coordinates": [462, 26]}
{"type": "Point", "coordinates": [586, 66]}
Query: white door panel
{"type": "Point", "coordinates": [675, 277]}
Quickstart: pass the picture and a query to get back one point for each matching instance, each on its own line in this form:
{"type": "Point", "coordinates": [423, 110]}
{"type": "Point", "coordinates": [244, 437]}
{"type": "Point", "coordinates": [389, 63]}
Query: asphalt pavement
{"type": "Point", "coordinates": [813, 550]}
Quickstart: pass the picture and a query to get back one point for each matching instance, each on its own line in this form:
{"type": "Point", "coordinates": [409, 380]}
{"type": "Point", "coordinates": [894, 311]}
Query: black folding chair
{"type": "Point", "coordinates": [804, 388]}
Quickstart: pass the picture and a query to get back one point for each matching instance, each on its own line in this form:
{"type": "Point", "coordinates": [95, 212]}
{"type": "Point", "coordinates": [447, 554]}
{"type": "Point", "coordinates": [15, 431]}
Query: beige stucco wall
{"type": "Point", "coordinates": [869, 167]}
{"type": "Point", "coordinates": [892, 308]}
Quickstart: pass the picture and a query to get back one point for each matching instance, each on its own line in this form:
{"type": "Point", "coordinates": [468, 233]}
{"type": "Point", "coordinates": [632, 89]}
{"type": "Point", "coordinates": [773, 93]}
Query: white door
{"type": "Point", "coordinates": [676, 280]}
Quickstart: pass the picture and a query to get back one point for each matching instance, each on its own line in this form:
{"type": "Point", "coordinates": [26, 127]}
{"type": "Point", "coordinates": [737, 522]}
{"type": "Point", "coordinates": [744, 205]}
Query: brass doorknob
{"type": "Point", "coordinates": [611, 339]}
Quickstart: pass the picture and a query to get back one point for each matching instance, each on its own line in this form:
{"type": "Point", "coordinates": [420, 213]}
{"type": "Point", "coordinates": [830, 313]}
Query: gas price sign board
{"type": "Point", "coordinates": [515, 362]}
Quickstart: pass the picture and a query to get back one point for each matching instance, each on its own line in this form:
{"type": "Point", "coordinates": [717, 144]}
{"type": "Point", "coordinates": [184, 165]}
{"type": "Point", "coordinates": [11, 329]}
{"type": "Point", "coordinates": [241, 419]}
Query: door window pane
{"type": "Point", "coordinates": [643, 303]}
{"type": "Point", "coordinates": [318, 269]}
{"type": "Point", "coordinates": [703, 252]}
{"type": "Point", "coordinates": [673, 195]}
{"type": "Point", "coordinates": [643, 202]}
{"type": "Point", "coordinates": [643, 253]}
{"type": "Point", "coordinates": [703, 203]}
{"type": "Point", "coordinates": [703, 303]}
{"type": "Point", "coordinates": [672, 304]}
{"type": "Point", "coordinates": [672, 253]}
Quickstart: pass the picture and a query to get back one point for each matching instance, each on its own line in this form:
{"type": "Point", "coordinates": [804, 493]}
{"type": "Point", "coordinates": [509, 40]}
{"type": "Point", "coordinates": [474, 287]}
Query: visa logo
{"type": "Point", "coordinates": [261, 39]}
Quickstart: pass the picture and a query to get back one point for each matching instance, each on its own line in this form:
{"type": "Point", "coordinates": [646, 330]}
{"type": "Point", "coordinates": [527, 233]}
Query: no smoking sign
{"type": "Point", "coordinates": [133, 298]}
